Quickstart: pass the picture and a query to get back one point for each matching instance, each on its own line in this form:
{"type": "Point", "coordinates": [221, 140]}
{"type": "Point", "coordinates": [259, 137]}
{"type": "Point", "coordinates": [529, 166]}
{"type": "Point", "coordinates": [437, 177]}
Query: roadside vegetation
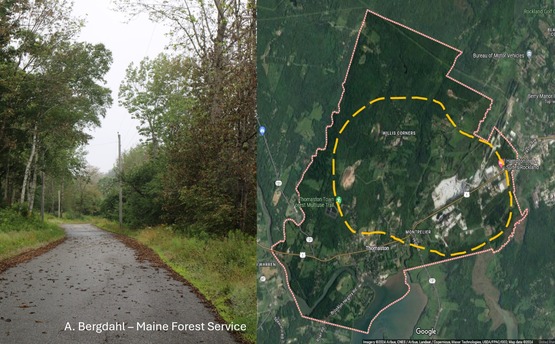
{"type": "Point", "coordinates": [20, 232]}
{"type": "Point", "coordinates": [189, 189]}
{"type": "Point", "coordinates": [221, 268]}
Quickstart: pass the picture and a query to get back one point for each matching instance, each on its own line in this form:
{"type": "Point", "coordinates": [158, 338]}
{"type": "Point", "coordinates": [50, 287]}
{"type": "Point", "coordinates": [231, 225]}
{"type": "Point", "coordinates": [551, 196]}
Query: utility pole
{"type": "Point", "coordinates": [120, 183]}
{"type": "Point", "coordinates": [42, 198]}
{"type": "Point", "coordinates": [59, 203]}
{"type": "Point", "coordinates": [62, 198]}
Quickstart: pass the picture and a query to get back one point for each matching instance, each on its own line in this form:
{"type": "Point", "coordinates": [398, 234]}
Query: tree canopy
{"type": "Point", "coordinates": [52, 90]}
{"type": "Point", "coordinates": [196, 105]}
{"type": "Point", "coordinates": [197, 108]}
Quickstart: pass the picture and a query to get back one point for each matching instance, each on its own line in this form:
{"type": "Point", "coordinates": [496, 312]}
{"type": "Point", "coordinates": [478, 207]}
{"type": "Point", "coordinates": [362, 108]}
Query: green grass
{"type": "Point", "coordinates": [22, 233]}
{"type": "Point", "coordinates": [222, 269]}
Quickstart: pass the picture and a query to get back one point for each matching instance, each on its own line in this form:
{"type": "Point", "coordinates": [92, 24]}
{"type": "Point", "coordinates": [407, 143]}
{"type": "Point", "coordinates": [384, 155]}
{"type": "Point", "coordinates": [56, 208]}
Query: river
{"type": "Point", "coordinates": [397, 321]}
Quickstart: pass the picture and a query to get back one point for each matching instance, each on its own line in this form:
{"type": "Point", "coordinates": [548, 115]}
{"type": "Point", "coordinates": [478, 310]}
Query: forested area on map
{"type": "Point", "coordinates": [484, 293]}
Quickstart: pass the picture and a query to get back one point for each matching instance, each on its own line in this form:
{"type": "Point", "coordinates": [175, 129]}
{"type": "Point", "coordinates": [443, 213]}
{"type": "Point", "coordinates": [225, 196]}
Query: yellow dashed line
{"type": "Point", "coordinates": [439, 103]}
{"type": "Point", "coordinates": [419, 98]}
{"type": "Point", "coordinates": [376, 100]}
{"type": "Point", "coordinates": [486, 143]}
{"type": "Point", "coordinates": [373, 233]}
{"type": "Point", "coordinates": [358, 111]}
{"type": "Point", "coordinates": [417, 246]}
{"type": "Point", "coordinates": [438, 253]}
{"type": "Point", "coordinates": [478, 247]}
{"type": "Point", "coordinates": [344, 126]}
{"type": "Point", "coordinates": [510, 198]}
{"type": "Point", "coordinates": [450, 120]}
{"type": "Point", "coordinates": [339, 208]}
{"type": "Point", "coordinates": [466, 134]}
{"type": "Point", "coordinates": [496, 236]}
{"type": "Point", "coordinates": [350, 228]}
{"type": "Point", "coordinates": [462, 133]}
{"type": "Point", "coordinates": [333, 167]}
{"type": "Point", "coordinates": [509, 219]}
{"type": "Point", "coordinates": [397, 239]}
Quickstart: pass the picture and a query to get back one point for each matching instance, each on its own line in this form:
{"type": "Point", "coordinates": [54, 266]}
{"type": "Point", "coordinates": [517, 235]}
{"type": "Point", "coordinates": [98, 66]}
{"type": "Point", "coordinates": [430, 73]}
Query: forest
{"type": "Point", "coordinates": [196, 106]}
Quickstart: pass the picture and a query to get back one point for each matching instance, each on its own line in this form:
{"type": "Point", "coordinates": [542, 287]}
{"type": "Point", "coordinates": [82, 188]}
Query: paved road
{"type": "Point", "coordinates": [93, 278]}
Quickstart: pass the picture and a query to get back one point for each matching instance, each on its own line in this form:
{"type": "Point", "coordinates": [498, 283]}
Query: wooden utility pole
{"type": "Point", "coordinates": [42, 198]}
{"type": "Point", "coordinates": [120, 171]}
{"type": "Point", "coordinates": [62, 198]}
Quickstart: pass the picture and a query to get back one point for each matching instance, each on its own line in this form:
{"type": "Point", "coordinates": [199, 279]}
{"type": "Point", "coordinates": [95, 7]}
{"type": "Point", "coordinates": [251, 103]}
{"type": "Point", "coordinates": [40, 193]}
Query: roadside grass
{"type": "Point", "coordinates": [22, 233]}
{"type": "Point", "coordinates": [222, 269]}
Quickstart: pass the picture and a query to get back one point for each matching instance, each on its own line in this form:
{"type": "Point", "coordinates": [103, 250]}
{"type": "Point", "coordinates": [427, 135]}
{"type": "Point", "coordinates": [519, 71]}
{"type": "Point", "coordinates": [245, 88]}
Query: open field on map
{"type": "Point", "coordinates": [409, 186]}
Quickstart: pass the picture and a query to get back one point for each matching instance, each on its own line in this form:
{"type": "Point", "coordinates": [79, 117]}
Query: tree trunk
{"type": "Point", "coordinates": [33, 188]}
{"type": "Point", "coordinates": [28, 167]}
{"type": "Point", "coordinates": [52, 197]}
{"type": "Point", "coordinates": [6, 187]}
{"type": "Point", "coordinates": [61, 209]}
{"type": "Point", "coordinates": [215, 73]}
{"type": "Point", "coordinates": [42, 197]}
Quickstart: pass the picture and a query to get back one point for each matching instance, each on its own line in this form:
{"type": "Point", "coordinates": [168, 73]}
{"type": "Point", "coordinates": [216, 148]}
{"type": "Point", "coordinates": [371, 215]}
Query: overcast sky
{"type": "Point", "coordinates": [129, 42]}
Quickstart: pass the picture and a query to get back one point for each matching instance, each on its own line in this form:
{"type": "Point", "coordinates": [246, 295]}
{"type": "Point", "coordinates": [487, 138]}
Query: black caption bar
{"type": "Point", "coordinates": [458, 341]}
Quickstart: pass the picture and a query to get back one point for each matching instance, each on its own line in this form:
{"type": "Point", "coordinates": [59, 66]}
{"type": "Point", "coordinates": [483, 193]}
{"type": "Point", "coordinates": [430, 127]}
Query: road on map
{"type": "Point", "coordinates": [94, 278]}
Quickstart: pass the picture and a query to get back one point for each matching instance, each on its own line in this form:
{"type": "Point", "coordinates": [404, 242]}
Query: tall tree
{"type": "Point", "coordinates": [52, 91]}
{"type": "Point", "coordinates": [157, 94]}
{"type": "Point", "coordinates": [210, 176]}
{"type": "Point", "coordinates": [71, 99]}
{"type": "Point", "coordinates": [217, 34]}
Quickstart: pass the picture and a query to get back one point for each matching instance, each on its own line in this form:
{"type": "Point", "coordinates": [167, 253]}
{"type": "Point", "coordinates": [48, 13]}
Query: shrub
{"type": "Point", "coordinates": [21, 208]}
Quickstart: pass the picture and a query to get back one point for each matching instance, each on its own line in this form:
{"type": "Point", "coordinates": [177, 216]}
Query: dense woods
{"type": "Point", "coordinates": [51, 91]}
{"type": "Point", "coordinates": [195, 169]}
{"type": "Point", "coordinates": [197, 109]}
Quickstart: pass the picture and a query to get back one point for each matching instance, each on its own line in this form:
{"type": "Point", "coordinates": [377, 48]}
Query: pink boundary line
{"type": "Point", "coordinates": [405, 271]}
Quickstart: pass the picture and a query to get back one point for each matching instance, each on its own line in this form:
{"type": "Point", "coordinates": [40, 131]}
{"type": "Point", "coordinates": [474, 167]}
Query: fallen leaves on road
{"type": "Point", "coordinates": [26, 256]}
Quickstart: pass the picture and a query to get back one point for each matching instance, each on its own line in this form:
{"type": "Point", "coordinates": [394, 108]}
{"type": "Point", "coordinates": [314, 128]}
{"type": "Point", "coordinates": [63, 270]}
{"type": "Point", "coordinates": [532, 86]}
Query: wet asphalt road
{"type": "Point", "coordinates": [94, 278]}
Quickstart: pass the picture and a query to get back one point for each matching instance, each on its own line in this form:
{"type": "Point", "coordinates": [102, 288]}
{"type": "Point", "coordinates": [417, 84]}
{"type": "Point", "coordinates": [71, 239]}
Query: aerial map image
{"type": "Point", "coordinates": [406, 171]}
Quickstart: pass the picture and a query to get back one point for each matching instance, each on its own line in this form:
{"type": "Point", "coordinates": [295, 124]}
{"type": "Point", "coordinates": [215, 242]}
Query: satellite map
{"type": "Point", "coordinates": [406, 181]}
